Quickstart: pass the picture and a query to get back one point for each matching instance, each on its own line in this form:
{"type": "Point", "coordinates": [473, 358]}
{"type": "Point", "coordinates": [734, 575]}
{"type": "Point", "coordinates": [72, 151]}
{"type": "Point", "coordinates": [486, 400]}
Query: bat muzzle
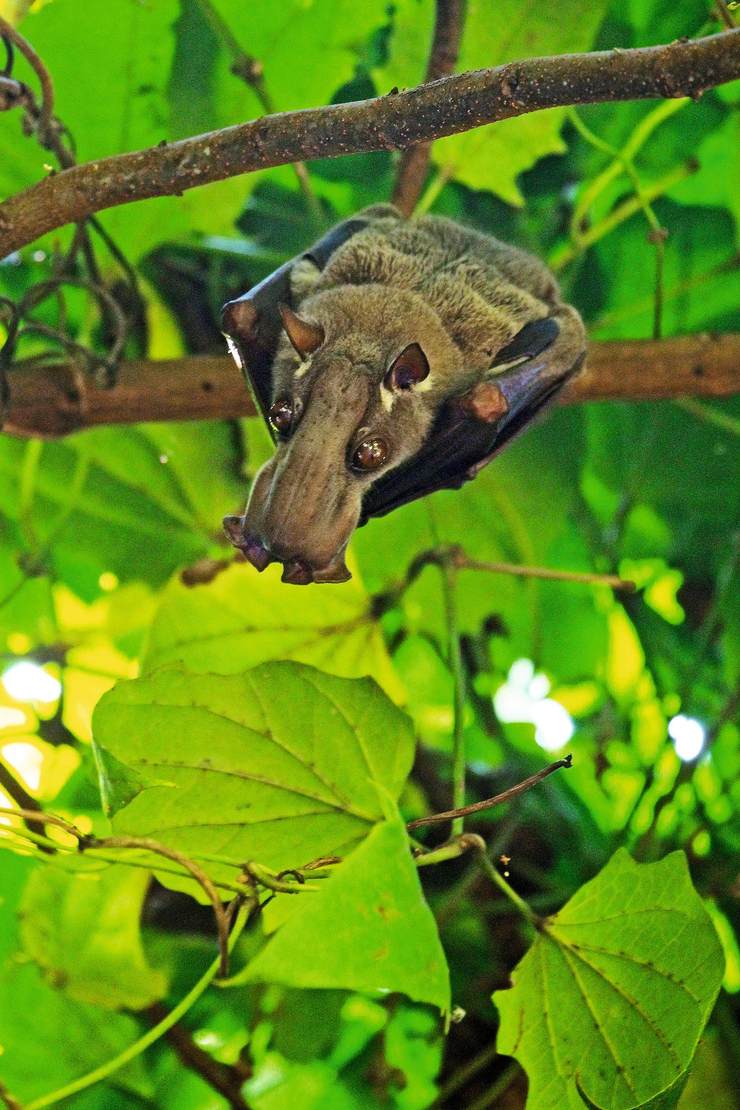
{"type": "Point", "coordinates": [296, 523]}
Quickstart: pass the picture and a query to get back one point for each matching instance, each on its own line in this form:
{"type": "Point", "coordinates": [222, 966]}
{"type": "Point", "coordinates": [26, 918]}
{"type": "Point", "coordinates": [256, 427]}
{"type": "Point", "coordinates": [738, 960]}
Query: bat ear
{"type": "Point", "coordinates": [408, 369]}
{"type": "Point", "coordinates": [305, 337]}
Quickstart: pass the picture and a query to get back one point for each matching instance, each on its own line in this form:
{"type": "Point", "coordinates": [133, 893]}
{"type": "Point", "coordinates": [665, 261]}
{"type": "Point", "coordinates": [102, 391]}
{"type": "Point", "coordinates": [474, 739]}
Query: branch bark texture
{"type": "Point", "coordinates": [52, 401]}
{"type": "Point", "coordinates": [414, 162]}
{"type": "Point", "coordinates": [392, 122]}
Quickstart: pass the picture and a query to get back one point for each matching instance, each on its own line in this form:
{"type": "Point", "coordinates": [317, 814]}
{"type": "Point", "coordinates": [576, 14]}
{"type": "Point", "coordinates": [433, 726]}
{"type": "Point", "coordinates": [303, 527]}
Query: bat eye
{"type": "Point", "coordinates": [281, 416]}
{"type": "Point", "coordinates": [370, 454]}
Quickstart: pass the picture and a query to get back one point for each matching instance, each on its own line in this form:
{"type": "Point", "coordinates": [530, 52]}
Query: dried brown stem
{"type": "Point", "coordinates": [51, 401]}
{"type": "Point", "coordinates": [46, 111]}
{"type": "Point", "coordinates": [445, 107]}
{"type": "Point", "coordinates": [414, 162]}
{"type": "Point", "coordinates": [489, 803]}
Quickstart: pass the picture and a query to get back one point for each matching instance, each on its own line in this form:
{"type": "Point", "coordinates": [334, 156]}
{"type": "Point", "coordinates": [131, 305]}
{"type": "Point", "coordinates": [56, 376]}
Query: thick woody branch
{"type": "Point", "coordinates": [393, 122]}
{"type": "Point", "coordinates": [414, 162]}
{"type": "Point", "coordinates": [48, 401]}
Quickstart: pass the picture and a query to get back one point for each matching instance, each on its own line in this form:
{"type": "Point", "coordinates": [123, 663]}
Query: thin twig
{"type": "Point", "coordinates": [445, 107]}
{"type": "Point", "coordinates": [413, 164]}
{"type": "Point", "coordinates": [499, 1087]}
{"type": "Point", "coordinates": [87, 841]}
{"type": "Point", "coordinates": [17, 792]}
{"type": "Point", "coordinates": [612, 580]}
{"type": "Point", "coordinates": [463, 1074]}
{"type": "Point", "coordinates": [498, 880]}
{"type": "Point", "coordinates": [497, 800]}
{"type": "Point", "coordinates": [455, 660]}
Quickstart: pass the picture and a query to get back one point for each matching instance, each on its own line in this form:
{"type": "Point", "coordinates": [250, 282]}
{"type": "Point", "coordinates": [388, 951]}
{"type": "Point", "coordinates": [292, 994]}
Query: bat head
{"type": "Point", "coordinates": [358, 377]}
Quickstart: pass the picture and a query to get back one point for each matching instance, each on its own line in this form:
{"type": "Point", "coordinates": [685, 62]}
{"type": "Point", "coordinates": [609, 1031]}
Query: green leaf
{"type": "Point", "coordinates": [83, 931]}
{"type": "Point", "coordinates": [242, 618]}
{"type": "Point", "coordinates": [616, 990]}
{"type": "Point", "coordinates": [137, 501]}
{"type": "Point", "coordinates": [368, 929]}
{"type": "Point", "coordinates": [35, 1016]}
{"type": "Point", "coordinates": [49, 1039]}
{"type": "Point", "coordinates": [280, 765]}
{"type": "Point", "coordinates": [493, 157]}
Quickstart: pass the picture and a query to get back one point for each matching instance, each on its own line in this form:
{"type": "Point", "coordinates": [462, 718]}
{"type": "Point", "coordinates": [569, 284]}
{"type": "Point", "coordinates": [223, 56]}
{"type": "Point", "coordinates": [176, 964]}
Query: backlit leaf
{"type": "Point", "coordinates": [280, 764]}
{"type": "Point", "coordinates": [616, 989]}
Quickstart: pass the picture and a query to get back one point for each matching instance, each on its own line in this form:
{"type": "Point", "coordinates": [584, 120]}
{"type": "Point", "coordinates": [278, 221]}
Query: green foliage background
{"type": "Point", "coordinates": [337, 993]}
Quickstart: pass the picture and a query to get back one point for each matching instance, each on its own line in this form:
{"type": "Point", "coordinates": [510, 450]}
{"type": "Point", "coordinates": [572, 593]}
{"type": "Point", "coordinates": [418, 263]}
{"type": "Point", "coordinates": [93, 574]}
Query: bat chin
{"type": "Point", "coordinates": [297, 571]}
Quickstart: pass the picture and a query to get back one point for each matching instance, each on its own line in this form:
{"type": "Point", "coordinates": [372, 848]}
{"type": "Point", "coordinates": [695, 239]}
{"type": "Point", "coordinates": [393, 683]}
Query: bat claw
{"type": "Point", "coordinates": [485, 402]}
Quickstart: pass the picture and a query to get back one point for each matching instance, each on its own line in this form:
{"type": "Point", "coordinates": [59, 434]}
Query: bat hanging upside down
{"type": "Point", "coordinates": [394, 358]}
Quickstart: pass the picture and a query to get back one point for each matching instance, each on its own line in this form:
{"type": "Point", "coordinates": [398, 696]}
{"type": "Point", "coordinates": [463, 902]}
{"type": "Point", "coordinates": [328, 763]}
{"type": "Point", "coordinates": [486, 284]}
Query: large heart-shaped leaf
{"type": "Point", "coordinates": [368, 929]}
{"type": "Point", "coordinates": [613, 995]}
{"type": "Point", "coordinates": [280, 765]}
{"type": "Point", "coordinates": [243, 618]}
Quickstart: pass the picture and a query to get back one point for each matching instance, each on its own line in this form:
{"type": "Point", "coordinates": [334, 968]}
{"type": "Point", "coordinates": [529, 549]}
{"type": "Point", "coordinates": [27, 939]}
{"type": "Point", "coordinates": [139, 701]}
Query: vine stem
{"type": "Point", "coordinates": [152, 1035]}
{"type": "Point", "coordinates": [498, 880]}
{"type": "Point", "coordinates": [560, 259]}
{"type": "Point", "coordinates": [449, 582]}
{"type": "Point", "coordinates": [54, 847]}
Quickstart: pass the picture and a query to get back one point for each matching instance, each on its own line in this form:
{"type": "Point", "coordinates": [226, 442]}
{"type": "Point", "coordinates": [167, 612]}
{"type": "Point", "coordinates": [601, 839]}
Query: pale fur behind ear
{"type": "Point", "coordinates": [303, 278]}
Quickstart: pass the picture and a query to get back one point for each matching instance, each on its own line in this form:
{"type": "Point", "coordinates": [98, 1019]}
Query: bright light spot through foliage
{"type": "Point", "coordinates": [688, 736]}
{"type": "Point", "coordinates": [29, 682]}
{"type": "Point", "coordinates": [523, 698]}
{"type": "Point", "coordinates": [27, 761]}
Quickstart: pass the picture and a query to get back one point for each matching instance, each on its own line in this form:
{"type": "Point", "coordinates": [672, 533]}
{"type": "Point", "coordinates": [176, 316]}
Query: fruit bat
{"type": "Point", "coordinates": [394, 358]}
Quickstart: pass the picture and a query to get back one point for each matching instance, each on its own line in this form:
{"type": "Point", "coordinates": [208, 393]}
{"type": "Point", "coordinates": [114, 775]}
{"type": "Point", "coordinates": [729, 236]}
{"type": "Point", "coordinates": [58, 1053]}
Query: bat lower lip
{"type": "Point", "coordinates": [297, 573]}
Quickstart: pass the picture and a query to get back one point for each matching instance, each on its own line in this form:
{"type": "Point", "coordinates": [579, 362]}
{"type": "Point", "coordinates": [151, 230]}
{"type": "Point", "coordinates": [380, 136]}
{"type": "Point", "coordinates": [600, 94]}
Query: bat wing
{"type": "Point", "coordinates": [251, 323]}
{"type": "Point", "coordinates": [466, 436]}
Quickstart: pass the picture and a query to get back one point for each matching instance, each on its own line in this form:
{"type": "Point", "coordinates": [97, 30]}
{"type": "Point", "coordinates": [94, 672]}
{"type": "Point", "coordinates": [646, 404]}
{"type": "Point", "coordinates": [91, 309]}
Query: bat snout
{"type": "Point", "coordinates": [308, 538]}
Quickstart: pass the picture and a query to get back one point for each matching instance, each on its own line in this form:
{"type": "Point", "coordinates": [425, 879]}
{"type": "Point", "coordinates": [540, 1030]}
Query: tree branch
{"type": "Point", "coordinates": [51, 401]}
{"type": "Point", "coordinates": [444, 107]}
{"type": "Point", "coordinates": [414, 162]}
